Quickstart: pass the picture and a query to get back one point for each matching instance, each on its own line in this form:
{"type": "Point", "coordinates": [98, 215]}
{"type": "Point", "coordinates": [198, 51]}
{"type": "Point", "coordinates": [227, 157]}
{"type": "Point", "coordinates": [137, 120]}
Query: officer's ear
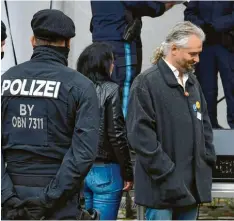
{"type": "Point", "coordinates": [68, 43]}
{"type": "Point", "coordinates": [33, 41]}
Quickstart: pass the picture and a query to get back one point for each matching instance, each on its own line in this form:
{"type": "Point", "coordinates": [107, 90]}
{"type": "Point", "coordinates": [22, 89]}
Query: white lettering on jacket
{"type": "Point", "coordinates": [37, 88]}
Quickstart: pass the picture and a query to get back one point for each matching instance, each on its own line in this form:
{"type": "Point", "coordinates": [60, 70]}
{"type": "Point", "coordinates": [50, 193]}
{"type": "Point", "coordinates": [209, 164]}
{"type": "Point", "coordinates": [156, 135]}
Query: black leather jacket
{"type": "Point", "coordinates": [113, 143]}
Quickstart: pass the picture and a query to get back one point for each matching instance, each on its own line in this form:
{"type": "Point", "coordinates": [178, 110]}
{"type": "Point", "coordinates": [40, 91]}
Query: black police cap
{"type": "Point", "coordinates": [51, 24]}
{"type": "Point", "coordinates": [3, 31]}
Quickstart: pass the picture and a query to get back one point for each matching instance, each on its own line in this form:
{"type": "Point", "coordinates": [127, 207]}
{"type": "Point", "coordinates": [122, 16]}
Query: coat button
{"type": "Point", "coordinates": [186, 93]}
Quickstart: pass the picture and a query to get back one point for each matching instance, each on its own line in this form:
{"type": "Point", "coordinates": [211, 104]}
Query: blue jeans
{"type": "Point", "coordinates": [180, 213]}
{"type": "Point", "coordinates": [103, 190]}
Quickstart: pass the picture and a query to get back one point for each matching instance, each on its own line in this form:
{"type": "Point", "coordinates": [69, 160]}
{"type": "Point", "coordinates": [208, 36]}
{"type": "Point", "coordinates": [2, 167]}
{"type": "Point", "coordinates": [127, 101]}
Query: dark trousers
{"type": "Point", "coordinates": [214, 59]}
{"type": "Point", "coordinates": [128, 62]}
{"type": "Point", "coordinates": [64, 211]}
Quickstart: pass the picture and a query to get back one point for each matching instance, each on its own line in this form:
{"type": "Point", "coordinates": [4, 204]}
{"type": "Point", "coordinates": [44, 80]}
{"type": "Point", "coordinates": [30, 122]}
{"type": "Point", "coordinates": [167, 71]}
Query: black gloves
{"type": "Point", "coordinates": [36, 208]}
{"type": "Point", "coordinates": [94, 214]}
{"type": "Point", "coordinates": [13, 211]}
{"type": "Point", "coordinates": [90, 214]}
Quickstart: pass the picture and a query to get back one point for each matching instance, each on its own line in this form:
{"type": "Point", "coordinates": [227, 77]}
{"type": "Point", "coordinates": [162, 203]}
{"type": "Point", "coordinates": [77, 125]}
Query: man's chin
{"type": "Point", "coordinates": [190, 68]}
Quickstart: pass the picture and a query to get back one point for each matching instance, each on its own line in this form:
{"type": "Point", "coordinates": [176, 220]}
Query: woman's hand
{"type": "Point", "coordinates": [127, 186]}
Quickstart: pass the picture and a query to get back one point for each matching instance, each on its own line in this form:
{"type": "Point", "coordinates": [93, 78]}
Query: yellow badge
{"type": "Point", "coordinates": [198, 105]}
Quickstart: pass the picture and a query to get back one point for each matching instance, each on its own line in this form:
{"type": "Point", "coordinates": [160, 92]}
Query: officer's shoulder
{"type": "Point", "coordinates": [13, 71]}
{"type": "Point", "coordinates": [75, 78]}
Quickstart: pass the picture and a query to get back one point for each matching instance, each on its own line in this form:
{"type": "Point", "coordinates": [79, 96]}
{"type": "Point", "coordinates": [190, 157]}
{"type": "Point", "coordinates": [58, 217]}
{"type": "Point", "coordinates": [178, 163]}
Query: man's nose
{"type": "Point", "coordinates": [196, 59]}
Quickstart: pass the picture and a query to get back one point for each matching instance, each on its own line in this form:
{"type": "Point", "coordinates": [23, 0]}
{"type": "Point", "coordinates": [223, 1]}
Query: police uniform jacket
{"type": "Point", "coordinates": [219, 14]}
{"type": "Point", "coordinates": [50, 121]}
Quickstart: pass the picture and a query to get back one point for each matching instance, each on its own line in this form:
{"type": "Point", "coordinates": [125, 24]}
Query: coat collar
{"type": "Point", "coordinates": [51, 53]}
{"type": "Point", "coordinates": [169, 76]}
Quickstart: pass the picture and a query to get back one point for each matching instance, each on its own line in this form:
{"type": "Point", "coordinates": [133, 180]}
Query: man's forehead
{"type": "Point", "coordinates": [194, 41]}
{"type": "Point", "coordinates": [2, 43]}
{"type": "Point", "coordinates": [194, 49]}
{"type": "Point", "coordinates": [194, 44]}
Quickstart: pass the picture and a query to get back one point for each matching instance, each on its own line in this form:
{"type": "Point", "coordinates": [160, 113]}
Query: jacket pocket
{"type": "Point", "coordinates": [172, 189]}
{"type": "Point", "coordinates": [102, 176]}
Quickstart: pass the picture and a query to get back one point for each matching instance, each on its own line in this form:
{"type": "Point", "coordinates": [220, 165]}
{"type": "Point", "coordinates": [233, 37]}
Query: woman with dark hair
{"type": "Point", "coordinates": [104, 183]}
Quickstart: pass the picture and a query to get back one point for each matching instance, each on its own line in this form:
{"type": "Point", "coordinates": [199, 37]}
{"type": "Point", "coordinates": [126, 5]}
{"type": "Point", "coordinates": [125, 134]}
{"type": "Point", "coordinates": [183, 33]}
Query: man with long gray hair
{"type": "Point", "coordinates": [169, 128]}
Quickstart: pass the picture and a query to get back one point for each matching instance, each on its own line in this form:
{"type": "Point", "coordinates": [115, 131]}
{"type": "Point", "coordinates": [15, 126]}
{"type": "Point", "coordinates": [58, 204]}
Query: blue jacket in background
{"type": "Point", "coordinates": [216, 18]}
{"type": "Point", "coordinates": [109, 21]}
{"type": "Point", "coordinates": [218, 13]}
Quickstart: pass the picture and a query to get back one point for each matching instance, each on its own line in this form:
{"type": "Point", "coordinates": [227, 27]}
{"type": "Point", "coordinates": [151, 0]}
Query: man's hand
{"type": "Point", "coordinates": [90, 214]}
{"type": "Point", "coordinates": [169, 5]}
{"type": "Point", "coordinates": [173, 188]}
{"type": "Point", "coordinates": [12, 209]}
{"type": "Point", "coordinates": [127, 186]}
{"type": "Point", "coordinates": [35, 206]}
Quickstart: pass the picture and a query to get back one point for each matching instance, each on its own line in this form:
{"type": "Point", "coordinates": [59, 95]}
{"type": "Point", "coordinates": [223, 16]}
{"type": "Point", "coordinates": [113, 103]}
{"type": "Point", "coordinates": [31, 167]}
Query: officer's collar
{"type": "Point", "coordinates": [59, 54]}
{"type": "Point", "coordinates": [169, 76]}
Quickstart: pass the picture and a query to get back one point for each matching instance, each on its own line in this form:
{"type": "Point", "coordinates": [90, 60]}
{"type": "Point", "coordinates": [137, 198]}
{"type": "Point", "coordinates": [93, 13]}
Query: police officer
{"type": "Point", "coordinates": [216, 18]}
{"type": "Point", "coordinates": [119, 23]}
{"type": "Point", "coordinates": [12, 201]}
{"type": "Point", "coordinates": [50, 121]}
{"type": "Point", "coordinates": [3, 37]}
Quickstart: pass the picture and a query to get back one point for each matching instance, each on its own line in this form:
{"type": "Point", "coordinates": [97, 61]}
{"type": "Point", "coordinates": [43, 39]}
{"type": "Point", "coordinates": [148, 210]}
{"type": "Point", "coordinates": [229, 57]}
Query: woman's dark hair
{"type": "Point", "coordinates": [95, 61]}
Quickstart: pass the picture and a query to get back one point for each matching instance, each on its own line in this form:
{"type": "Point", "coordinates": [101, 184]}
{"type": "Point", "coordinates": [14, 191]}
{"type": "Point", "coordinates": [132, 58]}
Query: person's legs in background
{"type": "Point", "coordinates": [139, 59]}
{"type": "Point", "coordinates": [207, 75]}
{"type": "Point", "coordinates": [226, 68]}
{"type": "Point", "coordinates": [106, 184]}
{"type": "Point", "coordinates": [128, 62]}
{"type": "Point", "coordinates": [125, 68]}
{"type": "Point", "coordinates": [180, 213]}
{"type": "Point", "coordinates": [158, 214]}
{"type": "Point", "coordinates": [185, 213]}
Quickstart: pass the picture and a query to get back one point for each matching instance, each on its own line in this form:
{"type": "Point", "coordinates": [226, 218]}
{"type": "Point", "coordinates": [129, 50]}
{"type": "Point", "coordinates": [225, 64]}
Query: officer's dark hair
{"type": "Point", "coordinates": [95, 61]}
{"type": "Point", "coordinates": [42, 42]}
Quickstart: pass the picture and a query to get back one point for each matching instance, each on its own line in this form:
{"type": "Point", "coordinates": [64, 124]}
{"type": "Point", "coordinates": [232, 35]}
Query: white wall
{"type": "Point", "coordinates": [21, 12]}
